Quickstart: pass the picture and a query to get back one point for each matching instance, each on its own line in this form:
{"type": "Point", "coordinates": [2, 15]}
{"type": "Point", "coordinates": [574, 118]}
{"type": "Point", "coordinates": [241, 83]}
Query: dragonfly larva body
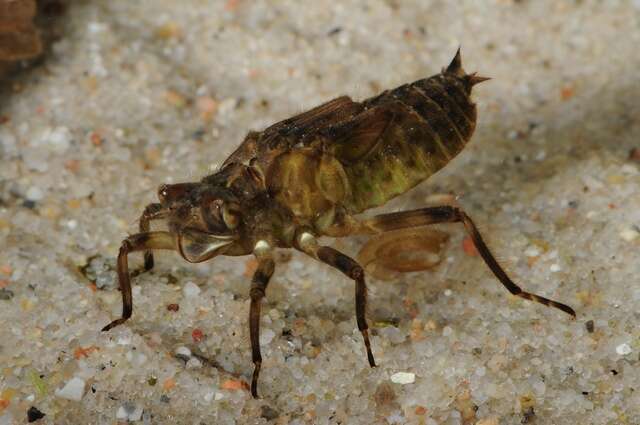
{"type": "Point", "coordinates": [310, 176]}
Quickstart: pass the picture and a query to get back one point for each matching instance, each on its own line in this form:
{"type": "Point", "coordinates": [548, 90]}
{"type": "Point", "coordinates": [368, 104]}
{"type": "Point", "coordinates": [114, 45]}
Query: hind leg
{"type": "Point", "coordinates": [452, 214]}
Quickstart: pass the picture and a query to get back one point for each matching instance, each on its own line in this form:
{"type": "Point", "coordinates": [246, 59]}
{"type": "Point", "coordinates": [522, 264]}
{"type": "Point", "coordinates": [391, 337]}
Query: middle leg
{"type": "Point", "coordinates": [308, 244]}
{"type": "Point", "coordinates": [259, 284]}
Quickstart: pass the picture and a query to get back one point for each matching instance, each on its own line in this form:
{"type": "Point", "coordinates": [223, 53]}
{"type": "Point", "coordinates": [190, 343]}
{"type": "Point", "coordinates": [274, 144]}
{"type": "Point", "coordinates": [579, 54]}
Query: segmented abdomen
{"type": "Point", "coordinates": [432, 120]}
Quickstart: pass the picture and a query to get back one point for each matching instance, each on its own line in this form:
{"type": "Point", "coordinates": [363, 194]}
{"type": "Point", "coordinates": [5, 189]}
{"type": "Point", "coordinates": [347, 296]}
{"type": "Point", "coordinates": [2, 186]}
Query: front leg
{"type": "Point", "coordinates": [259, 284]}
{"type": "Point", "coordinates": [151, 212]}
{"type": "Point", "coordinates": [137, 242]}
{"type": "Point", "coordinates": [307, 243]}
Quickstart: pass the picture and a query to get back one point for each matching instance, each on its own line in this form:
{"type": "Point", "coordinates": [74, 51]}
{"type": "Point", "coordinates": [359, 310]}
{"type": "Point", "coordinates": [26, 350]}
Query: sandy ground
{"type": "Point", "coordinates": [141, 93]}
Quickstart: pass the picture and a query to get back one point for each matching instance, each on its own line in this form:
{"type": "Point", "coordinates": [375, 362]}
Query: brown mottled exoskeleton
{"type": "Point", "coordinates": [309, 176]}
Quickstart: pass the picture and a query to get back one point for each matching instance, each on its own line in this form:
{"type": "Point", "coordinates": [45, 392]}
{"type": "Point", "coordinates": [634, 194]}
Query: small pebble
{"type": "Point", "coordinates": [532, 251]}
{"type": "Point", "coordinates": [29, 204]}
{"type": "Point", "coordinates": [539, 387]}
{"type": "Point", "coordinates": [36, 161]}
{"type": "Point", "coordinates": [420, 411]}
{"type": "Point", "coordinates": [266, 336]}
{"type": "Point", "coordinates": [33, 414]}
{"type": "Point", "coordinates": [73, 390]}
{"type": "Point", "coordinates": [232, 384]}
{"type": "Point", "coordinates": [34, 193]}
{"type": "Point", "coordinates": [197, 335]}
{"type": "Point", "coordinates": [269, 413]}
{"type": "Point", "coordinates": [183, 353]}
{"type": "Point", "coordinates": [168, 385]}
{"type": "Point", "coordinates": [623, 349]}
{"type": "Point", "coordinates": [129, 411]}
{"type": "Point", "coordinates": [139, 360]}
{"type": "Point", "coordinates": [6, 294]}
{"type": "Point", "coordinates": [7, 419]}
{"type": "Point", "coordinates": [403, 378]}
{"type": "Point", "coordinates": [629, 169]}
{"type": "Point", "coordinates": [590, 327]}
{"type": "Point", "coordinates": [488, 421]}
{"type": "Point", "coordinates": [58, 138]}
{"type": "Point", "coordinates": [190, 289]}
{"type": "Point", "coordinates": [194, 363]}
{"type": "Point", "coordinates": [555, 268]}
{"type": "Point", "coordinates": [629, 234]}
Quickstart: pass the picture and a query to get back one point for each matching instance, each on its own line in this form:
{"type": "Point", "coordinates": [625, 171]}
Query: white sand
{"type": "Point", "coordinates": [142, 93]}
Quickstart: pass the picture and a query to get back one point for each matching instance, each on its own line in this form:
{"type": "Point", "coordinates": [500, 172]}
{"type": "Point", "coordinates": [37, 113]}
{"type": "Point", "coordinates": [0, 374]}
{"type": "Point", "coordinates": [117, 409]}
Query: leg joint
{"type": "Point", "coordinates": [357, 273]}
{"type": "Point", "coordinates": [261, 276]}
{"type": "Point", "coordinates": [256, 293]}
{"type": "Point", "coordinates": [446, 213]}
{"type": "Point", "coordinates": [151, 209]}
{"type": "Point", "coordinates": [126, 247]}
{"type": "Point", "coordinates": [151, 212]}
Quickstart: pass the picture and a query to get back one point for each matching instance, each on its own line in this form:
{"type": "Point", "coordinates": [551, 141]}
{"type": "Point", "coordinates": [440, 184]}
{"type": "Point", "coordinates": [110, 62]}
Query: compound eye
{"type": "Point", "coordinates": [230, 216]}
{"type": "Point", "coordinates": [213, 216]}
